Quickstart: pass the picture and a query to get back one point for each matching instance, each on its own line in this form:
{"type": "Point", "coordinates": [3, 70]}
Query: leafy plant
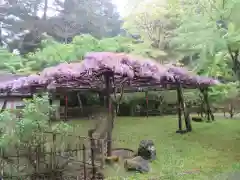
{"type": "Point", "coordinates": [27, 137]}
{"type": "Point", "coordinates": [54, 53]}
{"type": "Point", "coordinates": [10, 61]}
{"type": "Point", "coordinates": [223, 92]}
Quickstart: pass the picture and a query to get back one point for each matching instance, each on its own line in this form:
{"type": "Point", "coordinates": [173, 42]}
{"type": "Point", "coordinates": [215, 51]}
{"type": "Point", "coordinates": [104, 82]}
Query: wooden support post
{"type": "Point", "coordinates": [202, 109]}
{"type": "Point", "coordinates": [110, 115]}
{"type": "Point", "coordinates": [4, 106]}
{"type": "Point", "coordinates": [50, 99]}
{"type": "Point", "coordinates": [146, 96]}
{"type": "Point", "coordinates": [92, 140]}
{"type": "Point", "coordinates": [2, 163]}
{"type": "Point", "coordinates": [185, 111]}
{"type": "Point", "coordinates": [12, 105]}
{"type": "Point", "coordinates": [80, 102]}
{"type": "Point", "coordinates": [66, 108]}
{"type": "Point", "coordinates": [57, 106]}
{"type": "Point", "coordinates": [210, 115]}
{"type": "Point", "coordinates": [53, 156]}
{"type": "Point", "coordinates": [93, 163]}
{"type": "Point", "coordinates": [101, 99]}
{"type": "Point", "coordinates": [179, 110]}
{"type": "Point", "coordinates": [231, 110]}
{"type": "Point", "coordinates": [102, 153]}
{"type": "Point", "coordinates": [84, 163]}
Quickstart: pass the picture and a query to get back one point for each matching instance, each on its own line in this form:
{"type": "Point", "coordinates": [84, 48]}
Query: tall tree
{"type": "Point", "coordinates": [18, 16]}
{"type": "Point", "coordinates": [98, 17]}
{"type": "Point", "coordinates": [210, 28]}
{"type": "Point", "coordinates": [21, 23]}
{"type": "Point", "coordinates": [150, 20]}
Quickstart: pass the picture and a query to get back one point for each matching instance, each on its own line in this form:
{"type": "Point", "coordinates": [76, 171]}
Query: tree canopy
{"type": "Point", "coordinates": [23, 24]}
{"type": "Point", "coordinates": [154, 26]}
{"type": "Point", "coordinates": [205, 33]}
{"type": "Point", "coordinates": [53, 52]}
{"type": "Point", "coordinates": [209, 29]}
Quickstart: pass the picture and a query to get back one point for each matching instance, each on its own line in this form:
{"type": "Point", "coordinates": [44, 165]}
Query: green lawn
{"type": "Point", "coordinates": [211, 149]}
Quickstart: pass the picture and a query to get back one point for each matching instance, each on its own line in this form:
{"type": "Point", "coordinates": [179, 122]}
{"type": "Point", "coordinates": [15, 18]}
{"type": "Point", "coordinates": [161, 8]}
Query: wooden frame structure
{"type": "Point", "coordinates": [108, 90]}
{"type": "Point", "coordinates": [111, 73]}
{"type": "Point", "coordinates": [182, 109]}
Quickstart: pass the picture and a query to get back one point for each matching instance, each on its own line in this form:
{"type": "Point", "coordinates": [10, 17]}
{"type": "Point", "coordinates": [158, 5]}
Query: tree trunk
{"type": "Point", "coordinates": [202, 110]}
{"type": "Point", "coordinates": [210, 115]}
{"type": "Point", "coordinates": [231, 110]}
{"type": "Point", "coordinates": [236, 64]}
{"type": "Point", "coordinates": [185, 111]}
{"type": "Point", "coordinates": [45, 10]}
{"type": "Point", "coordinates": [1, 40]}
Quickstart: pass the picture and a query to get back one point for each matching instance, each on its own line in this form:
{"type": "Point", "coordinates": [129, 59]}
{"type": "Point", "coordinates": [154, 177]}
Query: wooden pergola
{"type": "Point", "coordinates": [110, 73]}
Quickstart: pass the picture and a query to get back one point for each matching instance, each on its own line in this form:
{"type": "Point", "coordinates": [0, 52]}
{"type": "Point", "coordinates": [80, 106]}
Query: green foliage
{"type": "Point", "coordinates": [54, 53]}
{"type": "Point", "coordinates": [217, 66]}
{"type": "Point", "coordinates": [223, 92]}
{"type": "Point", "coordinates": [149, 24]}
{"type": "Point", "coordinates": [10, 61]}
{"type": "Point", "coordinates": [236, 166]}
{"type": "Point", "coordinates": [50, 55]}
{"type": "Point", "coordinates": [116, 44]}
{"type": "Point", "coordinates": [30, 128]}
{"type": "Point", "coordinates": [62, 128]}
{"type": "Point", "coordinates": [28, 135]}
{"type": "Point", "coordinates": [127, 98]}
{"type": "Point", "coordinates": [210, 28]}
{"type": "Point", "coordinates": [192, 97]}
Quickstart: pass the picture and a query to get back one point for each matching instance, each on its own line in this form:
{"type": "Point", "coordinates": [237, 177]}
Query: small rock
{"type": "Point", "coordinates": [137, 164]}
{"type": "Point", "coordinates": [147, 150]}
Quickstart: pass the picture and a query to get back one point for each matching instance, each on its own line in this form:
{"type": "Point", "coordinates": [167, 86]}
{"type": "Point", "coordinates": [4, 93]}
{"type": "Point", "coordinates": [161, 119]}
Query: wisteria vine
{"type": "Point", "coordinates": [87, 73]}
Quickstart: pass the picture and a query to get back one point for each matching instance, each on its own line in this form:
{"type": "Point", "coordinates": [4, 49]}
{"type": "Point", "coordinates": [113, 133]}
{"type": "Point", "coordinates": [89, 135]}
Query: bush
{"type": "Point", "coordinates": [26, 136]}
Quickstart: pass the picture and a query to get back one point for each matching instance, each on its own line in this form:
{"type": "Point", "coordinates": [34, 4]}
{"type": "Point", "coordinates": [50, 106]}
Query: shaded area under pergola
{"type": "Point", "coordinates": [110, 73]}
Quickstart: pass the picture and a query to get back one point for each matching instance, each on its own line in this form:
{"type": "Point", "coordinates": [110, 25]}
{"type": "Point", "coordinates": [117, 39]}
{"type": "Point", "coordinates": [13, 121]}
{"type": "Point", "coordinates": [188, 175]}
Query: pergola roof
{"type": "Point", "coordinates": [135, 71]}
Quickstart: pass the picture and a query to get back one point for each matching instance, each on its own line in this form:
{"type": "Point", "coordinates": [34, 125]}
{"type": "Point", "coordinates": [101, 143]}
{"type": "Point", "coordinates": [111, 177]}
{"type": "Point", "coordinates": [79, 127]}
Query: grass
{"type": "Point", "coordinates": [211, 149]}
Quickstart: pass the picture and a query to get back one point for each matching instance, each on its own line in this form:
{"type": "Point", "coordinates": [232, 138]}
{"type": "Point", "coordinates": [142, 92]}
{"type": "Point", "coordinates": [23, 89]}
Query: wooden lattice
{"type": "Point", "coordinates": [62, 157]}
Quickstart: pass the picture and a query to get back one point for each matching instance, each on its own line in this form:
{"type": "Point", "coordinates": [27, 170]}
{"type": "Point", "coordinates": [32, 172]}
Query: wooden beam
{"type": "Point", "coordinates": [179, 110]}
{"type": "Point", "coordinates": [126, 89]}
